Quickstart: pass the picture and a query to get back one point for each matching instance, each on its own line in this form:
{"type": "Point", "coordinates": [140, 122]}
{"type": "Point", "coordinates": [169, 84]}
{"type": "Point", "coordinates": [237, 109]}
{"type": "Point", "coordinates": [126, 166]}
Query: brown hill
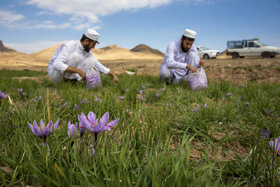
{"type": "Point", "coordinates": [4, 48]}
{"type": "Point", "coordinates": [142, 48]}
{"type": "Point", "coordinates": [46, 54]}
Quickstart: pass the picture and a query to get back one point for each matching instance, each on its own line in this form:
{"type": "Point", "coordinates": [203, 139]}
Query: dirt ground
{"type": "Point", "coordinates": [239, 71]}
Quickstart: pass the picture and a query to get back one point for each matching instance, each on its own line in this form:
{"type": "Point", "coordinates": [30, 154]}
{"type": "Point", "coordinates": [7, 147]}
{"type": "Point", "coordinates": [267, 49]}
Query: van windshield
{"type": "Point", "coordinates": [259, 43]}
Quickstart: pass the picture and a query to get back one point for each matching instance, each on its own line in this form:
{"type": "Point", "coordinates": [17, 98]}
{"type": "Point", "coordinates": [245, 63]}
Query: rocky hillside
{"type": "Point", "coordinates": [142, 48]}
{"type": "Point", "coordinates": [4, 48]}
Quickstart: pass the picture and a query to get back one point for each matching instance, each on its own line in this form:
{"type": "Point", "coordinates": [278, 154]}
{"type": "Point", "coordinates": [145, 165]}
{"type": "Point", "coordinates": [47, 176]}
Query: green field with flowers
{"type": "Point", "coordinates": [147, 134]}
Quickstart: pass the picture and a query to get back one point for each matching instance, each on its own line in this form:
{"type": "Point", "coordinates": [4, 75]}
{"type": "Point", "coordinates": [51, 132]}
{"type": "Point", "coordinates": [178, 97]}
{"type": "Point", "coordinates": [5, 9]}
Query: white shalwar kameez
{"type": "Point", "coordinates": [173, 68]}
{"type": "Point", "coordinates": [72, 53]}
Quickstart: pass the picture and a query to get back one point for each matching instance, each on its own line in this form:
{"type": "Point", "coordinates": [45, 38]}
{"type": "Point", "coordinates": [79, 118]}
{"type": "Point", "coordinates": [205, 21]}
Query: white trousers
{"type": "Point", "coordinates": [76, 61]}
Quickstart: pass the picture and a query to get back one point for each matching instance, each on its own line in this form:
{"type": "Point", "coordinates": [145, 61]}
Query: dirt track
{"type": "Point", "coordinates": [235, 70]}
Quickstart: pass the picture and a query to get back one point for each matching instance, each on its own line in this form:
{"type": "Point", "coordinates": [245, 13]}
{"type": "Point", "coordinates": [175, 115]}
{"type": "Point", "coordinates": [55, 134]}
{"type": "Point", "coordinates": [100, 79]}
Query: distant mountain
{"type": "Point", "coordinates": [142, 48]}
{"type": "Point", "coordinates": [4, 48]}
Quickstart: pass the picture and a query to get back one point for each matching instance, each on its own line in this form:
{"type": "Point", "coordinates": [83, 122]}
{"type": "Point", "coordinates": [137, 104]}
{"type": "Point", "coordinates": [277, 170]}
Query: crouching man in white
{"type": "Point", "coordinates": [73, 59]}
{"type": "Point", "coordinates": [181, 57]}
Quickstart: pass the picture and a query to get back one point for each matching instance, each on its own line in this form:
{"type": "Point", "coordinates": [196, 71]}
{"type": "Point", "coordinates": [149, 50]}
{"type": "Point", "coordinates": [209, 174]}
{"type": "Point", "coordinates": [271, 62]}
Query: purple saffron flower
{"type": "Point", "coordinates": [24, 94]}
{"type": "Point", "coordinates": [43, 131]}
{"type": "Point", "coordinates": [96, 99]}
{"type": "Point", "coordinates": [143, 87]}
{"type": "Point", "coordinates": [162, 89]}
{"type": "Point", "coordinates": [72, 130]}
{"type": "Point", "coordinates": [168, 104]}
{"type": "Point", "coordinates": [157, 95]}
{"type": "Point", "coordinates": [19, 89]}
{"type": "Point", "coordinates": [141, 98]}
{"type": "Point", "coordinates": [92, 151]}
{"type": "Point", "coordinates": [265, 133]}
{"type": "Point", "coordinates": [96, 127]}
{"type": "Point", "coordinates": [205, 106]}
{"type": "Point", "coordinates": [3, 95]}
{"type": "Point", "coordinates": [77, 107]}
{"type": "Point", "coordinates": [269, 112]}
{"type": "Point", "coordinates": [126, 90]}
{"type": "Point", "coordinates": [229, 94]}
{"type": "Point", "coordinates": [275, 145]}
{"type": "Point", "coordinates": [82, 124]}
{"type": "Point", "coordinates": [122, 98]}
{"type": "Point", "coordinates": [196, 109]}
{"type": "Point", "coordinates": [247, 104]}
{"type": "Point", "coordinates": [141, 92]}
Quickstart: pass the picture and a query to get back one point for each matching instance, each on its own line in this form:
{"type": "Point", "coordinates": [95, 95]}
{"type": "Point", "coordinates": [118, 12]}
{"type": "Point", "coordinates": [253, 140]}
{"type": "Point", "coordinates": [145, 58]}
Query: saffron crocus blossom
{"type": "Point", "coordinates": [168, 104]}
{"type": "Point", "coordinates": [229, 94]}
{"type": "Point", "coordinates": [19, 89]}
{"type": "Point", "coordinates": [82, 124]}
{"type": "Point", "coordinates": [205, 106]}
{"type": "Point", "coordinates": [122, 98]}
{"type": "Point", "coordinates": [269, 112]}
{"type": "Point", "coordinates": [196, 109]}
{"type": "Point", "coordinates": [143, 87]}
{"type": "Point", "coordinates": [265, 133]}
{"type": "Point", "coordinates": [126, 90]}
{"type": "Point", "coordinates": [157, 95]}
{"type": "Point", "coordinates": [247, 104]}
{"type": "Point", "coordinates": [43, 131]}
{"type": "Point", "coordinates": [72, 130]}
{"type": "Point", "coordinates": [275, 145]}
{"type": "Point", "coordinates": [162, 89]}
{"type": "Point", "coordinates": [96, 127]}
{"type": "Point", "coordinates": [3, 95]}
{"type": "Point", "coordinates": [141, 92]}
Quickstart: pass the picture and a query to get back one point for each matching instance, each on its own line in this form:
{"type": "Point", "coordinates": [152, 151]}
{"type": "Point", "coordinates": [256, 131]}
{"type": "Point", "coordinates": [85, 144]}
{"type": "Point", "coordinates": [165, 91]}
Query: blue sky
{"type": "Point", "coordinates": [32, 25]}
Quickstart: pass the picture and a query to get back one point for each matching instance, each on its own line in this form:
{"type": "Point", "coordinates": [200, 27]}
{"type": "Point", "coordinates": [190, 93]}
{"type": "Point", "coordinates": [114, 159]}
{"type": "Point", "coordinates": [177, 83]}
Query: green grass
{"type": "Point", "coordinates": [156, 145]}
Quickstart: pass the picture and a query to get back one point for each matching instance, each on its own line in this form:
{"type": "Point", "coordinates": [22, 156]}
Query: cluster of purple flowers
{"type": "Point", "coordinates": [43, 130]}
{"type": "Point", "coordinates": [3, 95]}
{"type": "Point", "coordinates": [36, 99]}
{"type": "Point", "coordinates": [21, 92]}
{"type": "Point", "coordinates": [89, 122]}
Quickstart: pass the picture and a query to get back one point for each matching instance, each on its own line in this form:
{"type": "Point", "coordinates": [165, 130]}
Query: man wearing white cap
{"type": "Point", "coordinates": [181, 57]}
{"type": "Point", "coordinates": [73, 59]}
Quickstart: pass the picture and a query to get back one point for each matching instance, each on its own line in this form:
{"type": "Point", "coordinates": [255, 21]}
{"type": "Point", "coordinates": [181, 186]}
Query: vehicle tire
{"type": "Point", "coordinates": [272, 56]}
{"type": "Point", "coordinates": [266, 55]}
{"type": "Point", "coordinates": [235, 55]}
{"type": "Point", "coordinates": [242, 56]}
{"type": "Point", "coordinates": [206, 56]}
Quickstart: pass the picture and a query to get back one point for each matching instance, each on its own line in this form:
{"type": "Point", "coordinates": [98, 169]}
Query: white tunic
{"type": "Point", "coordinates": [61, 58]}
{"type": "Point", "coordinates": [176, 60]}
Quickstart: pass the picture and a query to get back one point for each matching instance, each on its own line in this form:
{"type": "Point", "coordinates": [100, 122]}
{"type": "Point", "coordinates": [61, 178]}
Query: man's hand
{"type": "Point", "coordinates": [191, 68]}
{"type": "Point", "coordinates": [114, 77]}
{"type": "Point", "coordinates": [71, 69]}
{"type": "Point", "coordinates": [82, 74]}
{"type": "Point", "coordinates": [201, 63]}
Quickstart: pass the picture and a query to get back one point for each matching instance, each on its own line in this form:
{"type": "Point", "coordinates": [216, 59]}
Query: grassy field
{"type": "Point", "coordinates": [167, 136]}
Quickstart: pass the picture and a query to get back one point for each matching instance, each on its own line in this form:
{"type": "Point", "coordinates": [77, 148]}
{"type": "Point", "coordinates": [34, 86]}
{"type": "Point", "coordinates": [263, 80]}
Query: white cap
{"type": "Point", "coordinates": [92, 34]}
{"type": "Point", "coordinates": [189, 33]}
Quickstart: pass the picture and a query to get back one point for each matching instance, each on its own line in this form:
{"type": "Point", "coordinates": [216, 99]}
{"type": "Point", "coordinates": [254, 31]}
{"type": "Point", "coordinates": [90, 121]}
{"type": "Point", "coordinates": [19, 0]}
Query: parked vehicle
{"type": "Point", "coordinates": [206, 53]}
{"type": "Point", "coordinates": [253, 47]}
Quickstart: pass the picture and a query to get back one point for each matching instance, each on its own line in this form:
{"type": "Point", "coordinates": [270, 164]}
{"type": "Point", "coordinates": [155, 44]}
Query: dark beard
{"type": "Point", "coordinates": [86, 48]}
{"type": "Point", "coordinates": [183, 49]}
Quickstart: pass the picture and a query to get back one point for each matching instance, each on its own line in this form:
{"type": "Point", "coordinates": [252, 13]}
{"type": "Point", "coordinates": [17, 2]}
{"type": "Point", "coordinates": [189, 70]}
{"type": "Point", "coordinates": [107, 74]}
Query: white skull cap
{"type": "Point", "coordinates": [189, 33]}
{"type": "Point", "coordinates": [92, 34]}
